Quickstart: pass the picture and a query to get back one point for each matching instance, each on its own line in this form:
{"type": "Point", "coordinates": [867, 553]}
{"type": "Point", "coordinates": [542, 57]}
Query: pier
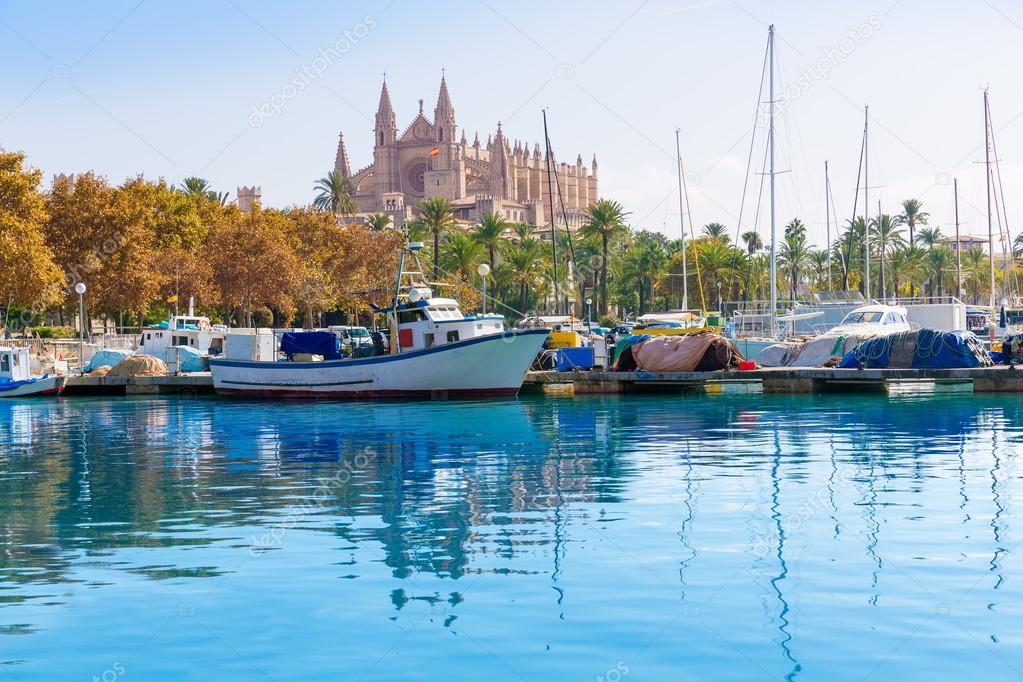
{"type": "Point", "coordinates": [1000, 379]}
{"type": "Point", "coordinates": [181, 385]}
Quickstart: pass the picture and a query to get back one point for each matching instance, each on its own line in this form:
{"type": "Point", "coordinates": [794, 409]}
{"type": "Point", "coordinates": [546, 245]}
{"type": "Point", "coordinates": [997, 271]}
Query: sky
{"type": "Point", "coordinates": [202, 88]}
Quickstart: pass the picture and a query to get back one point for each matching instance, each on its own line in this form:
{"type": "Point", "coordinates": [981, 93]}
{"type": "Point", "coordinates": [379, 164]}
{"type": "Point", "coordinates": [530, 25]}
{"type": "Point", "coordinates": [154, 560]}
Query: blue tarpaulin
{"type": "Point", "coordinates": [188, 359]}
{"type": "Point", "coordinates": [923, 349]}
{"type": "Point", "coordinates": [325, 344]}
{"type": "Point", "coordinates": [106, 357]}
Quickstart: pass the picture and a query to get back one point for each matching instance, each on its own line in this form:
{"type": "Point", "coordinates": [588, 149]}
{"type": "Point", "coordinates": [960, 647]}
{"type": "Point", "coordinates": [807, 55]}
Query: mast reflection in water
{"type": "Point", "coordinates": [643, 538]}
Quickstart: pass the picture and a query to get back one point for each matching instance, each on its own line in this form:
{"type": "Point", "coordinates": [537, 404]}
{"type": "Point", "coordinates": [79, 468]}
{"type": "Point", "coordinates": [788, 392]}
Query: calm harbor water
{"type": "Point", "coordinates": [618, 538]}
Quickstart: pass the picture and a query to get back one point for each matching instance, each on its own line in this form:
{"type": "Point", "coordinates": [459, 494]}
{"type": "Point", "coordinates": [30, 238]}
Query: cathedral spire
{"type": "Point", "coordinates": [386, 128]}
{"type": "Point", "coordinates": [341, 160]}
{"type": "Point", "coordinates": [476, 141]}
{"type": "Point", "coordinates": [444, 114]}
{"type": "Point", "coordinates": [385, 108]}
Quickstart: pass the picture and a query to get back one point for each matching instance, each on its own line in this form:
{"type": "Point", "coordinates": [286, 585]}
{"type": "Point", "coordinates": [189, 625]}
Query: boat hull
{"type": "Point", "coordinates": [486, 366]}
{"type": "Point", "coordinates": [47, 386]}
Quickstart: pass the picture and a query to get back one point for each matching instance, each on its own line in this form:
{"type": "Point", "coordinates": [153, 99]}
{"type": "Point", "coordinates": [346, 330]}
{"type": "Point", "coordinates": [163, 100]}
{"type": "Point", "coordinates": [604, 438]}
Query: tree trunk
{"type": "Point", "coordinates": [603, 275]}
{"type": "Point", "coordinates": [436, 254]}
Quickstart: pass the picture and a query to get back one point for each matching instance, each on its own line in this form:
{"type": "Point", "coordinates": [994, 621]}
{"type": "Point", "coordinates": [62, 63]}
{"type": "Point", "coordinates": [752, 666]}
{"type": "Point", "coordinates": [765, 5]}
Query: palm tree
{"type": "Point", "coordinates": [716, 231]}
{"type": "Point", "coordinates": [912, 215]}
{"type": "Point", "coordinates": [334, 194]}
{"type": "Point", "coordinates": [524, 260]}
{"type": "Point", "coordinates": [887, 236]}
{"type": "Point", "coordinates": [794, 253]}
{"type": "Point", "coordinates": [604, 219]}
{"type": "Point", "coordinates": [940, 259]}
{"type": "Point", "coordinates": [1017, 246]}
{"type": "Point", "coordinates": [752, 241]}
{"type": "Point", "coordinates": [848, 250]}
{"type": "Point", "coordinates": [715, 261]}
{"type": "Point", "coordinates": [438, 218]}
{"type": "Point", "coordinates": [461, 255]}
{"type": "Point", "coordinates": [489, 232]}
{"type": "Point", "coordinates": [195, 187]}
{"type": "Point", "coordinates": [378, 222]}
{"type": "Point", "coordinates": [974, 269]}
{"type": "Point", "coordinates": [929, 236]}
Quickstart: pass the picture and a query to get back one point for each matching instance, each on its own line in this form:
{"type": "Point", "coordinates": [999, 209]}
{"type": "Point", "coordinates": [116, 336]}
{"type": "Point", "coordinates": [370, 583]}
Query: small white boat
{"type": "Point", "coordinates": [16, 380]}
{"type": "Point", "coordinates": [436, 352]}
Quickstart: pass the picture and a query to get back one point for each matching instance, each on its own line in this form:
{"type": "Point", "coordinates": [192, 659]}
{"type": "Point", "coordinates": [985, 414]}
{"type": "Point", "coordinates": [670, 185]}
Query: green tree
{"type": "Point", "coordinates": [490, 232]}
{"type": "Point", "coordinates": [752, 241]}
{"type": "Point", "coordinates": [461, 254]}
{"type": "Point", "coordinates": [794, 254]}
{"type": "Point", "coordinates": [887, 236]}
{"type": "Point", "coordinates": [334, 194]}
{"type": "Point", "coordinates": [913, 215]}
{"type": "Point", "coordinates": [604, 220]}
{"type": "Point", "coordinates": [716, 231]}
{"type": "Point", "coordinates": [438, 218]}
{"type": "Point", "coordinates": [378, 222]}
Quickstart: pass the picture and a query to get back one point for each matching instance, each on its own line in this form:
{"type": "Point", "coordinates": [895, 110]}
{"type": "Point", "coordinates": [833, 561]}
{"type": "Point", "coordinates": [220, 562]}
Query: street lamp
{"type": "Point", "coordinates": [80, 289]}
{"type": "Point", "coordinates": [589, 316]}
{"type": "Point", "coordinates": [484, 270]}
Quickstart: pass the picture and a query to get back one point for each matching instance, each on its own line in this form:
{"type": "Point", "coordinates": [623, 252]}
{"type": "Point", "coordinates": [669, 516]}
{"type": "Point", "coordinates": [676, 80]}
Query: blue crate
{"type": "Point", "coordinates": [575, 358]}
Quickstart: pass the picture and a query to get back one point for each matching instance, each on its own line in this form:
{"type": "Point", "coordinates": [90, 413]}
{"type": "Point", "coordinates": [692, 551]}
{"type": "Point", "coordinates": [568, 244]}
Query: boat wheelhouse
{"type": "Point", "coordinates": [193, 331]}
{"type": "Point", "coordinates": [16, 380]}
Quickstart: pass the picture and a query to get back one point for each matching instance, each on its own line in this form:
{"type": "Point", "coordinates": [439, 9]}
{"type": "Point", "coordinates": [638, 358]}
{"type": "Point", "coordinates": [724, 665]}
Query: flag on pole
{"type": "Point", "coordinates": [435, 151]}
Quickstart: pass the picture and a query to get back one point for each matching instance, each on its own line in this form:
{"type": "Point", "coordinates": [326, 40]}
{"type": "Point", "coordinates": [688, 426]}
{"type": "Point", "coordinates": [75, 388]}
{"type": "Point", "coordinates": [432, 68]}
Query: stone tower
{"type": "Point", "coordinates": [445, 175]}
{"type": "Point", "coordinates": [249, 197]}
{"type": "Point", "coordinates": [385, 151]}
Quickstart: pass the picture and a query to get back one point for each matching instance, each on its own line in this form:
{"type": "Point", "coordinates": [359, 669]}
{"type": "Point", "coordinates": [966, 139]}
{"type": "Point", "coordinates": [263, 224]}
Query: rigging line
{"type": "Point", "coordinates": [1001, 193]}
{"type": "Point", "coordinates": [692, 232]}
{"type": "Point", "coordinates": [564, 213]}
{"type": "Point", "coordinates": [788, 116]}
{"type": "Point", "coordinates": [752, 145]}
{"type": "Point", "coordinates": [852, 221]}
{"type": "Point", "coordinates": [834, 212]}
{"type": "Point", "coordinates": [760, 198]}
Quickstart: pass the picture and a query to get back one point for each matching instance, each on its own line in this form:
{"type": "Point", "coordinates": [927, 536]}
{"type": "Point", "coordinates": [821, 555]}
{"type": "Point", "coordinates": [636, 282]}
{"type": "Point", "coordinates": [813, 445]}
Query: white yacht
{"type": "Point", "coordinates": [872, 320]}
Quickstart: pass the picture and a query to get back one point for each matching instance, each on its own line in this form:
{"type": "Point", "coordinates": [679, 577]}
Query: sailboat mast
{"type": "Point", "coordinates": [682, 223]}
{"type": "Point", "coordinates": [827, 219]}
{"type": "Point", "coordinates": [866, 204]}
{"type": "Point", "coordinates": [959, 249]}
{"type": "Point", "coordinates": [554, 236]}
{"type": "Point", "coordinates": [770, 142]}
{"type": "Point", "coordinates": [987, 173]}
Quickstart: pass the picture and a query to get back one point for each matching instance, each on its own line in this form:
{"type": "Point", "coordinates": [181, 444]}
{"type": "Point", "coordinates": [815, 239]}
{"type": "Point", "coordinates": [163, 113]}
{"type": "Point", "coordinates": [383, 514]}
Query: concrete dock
{"type": "Point", "coordinates": [1001, 379]}
{"type": "Point", "coordinates": [182, 385]}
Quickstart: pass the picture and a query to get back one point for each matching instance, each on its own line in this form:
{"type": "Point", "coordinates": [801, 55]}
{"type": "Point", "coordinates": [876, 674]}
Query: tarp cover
{"type": "Point", "coordinates": [686, 353]}
{"type": "Point", "coordinates": [823, 349]}
{"type": "Point", "coordinates": [188, 358]}
{"type": "Point", "coordinates": [778, 355]}
{"type": "Point", "coordinates": [106, 357]}
{"type": "Point", "coordinates": [922, 349]}
{"type": "Point", "coordinates": [325, 344]}
{"type": "Point", "coordinates": [139, 366]}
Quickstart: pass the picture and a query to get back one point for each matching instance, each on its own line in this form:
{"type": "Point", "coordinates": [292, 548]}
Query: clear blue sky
{"type": "Point", "coordinates": [168, 89]}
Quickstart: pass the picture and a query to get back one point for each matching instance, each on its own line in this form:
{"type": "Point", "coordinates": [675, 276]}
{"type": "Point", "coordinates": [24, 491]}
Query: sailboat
{"type": "Point", "coordinates": [434, 351]}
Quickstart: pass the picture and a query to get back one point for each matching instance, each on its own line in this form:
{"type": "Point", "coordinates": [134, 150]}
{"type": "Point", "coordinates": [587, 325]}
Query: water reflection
{"type": "Point", "coordinates": [414, 499]}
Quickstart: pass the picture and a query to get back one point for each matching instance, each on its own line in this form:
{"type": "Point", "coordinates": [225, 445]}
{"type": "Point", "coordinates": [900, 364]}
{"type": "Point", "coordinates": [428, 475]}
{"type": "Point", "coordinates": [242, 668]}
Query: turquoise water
{"type": "Point", "coordinates": [629, 538]}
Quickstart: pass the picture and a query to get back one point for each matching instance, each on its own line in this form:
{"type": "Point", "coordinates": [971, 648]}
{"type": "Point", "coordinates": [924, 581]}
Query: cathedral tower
{"type": "Point", "coordinates": [385, 151]}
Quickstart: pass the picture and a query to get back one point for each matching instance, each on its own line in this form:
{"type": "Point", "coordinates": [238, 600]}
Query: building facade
{"type": "Point", "coordinates": [433, 158]}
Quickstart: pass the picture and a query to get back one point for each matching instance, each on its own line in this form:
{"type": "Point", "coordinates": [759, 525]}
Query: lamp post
{"type": "Point", "coordinates": [484, 270]}
{"type": "Point", "coordinates": [589, 313]}
{"type": "Point", "coordinates": [80, 289]}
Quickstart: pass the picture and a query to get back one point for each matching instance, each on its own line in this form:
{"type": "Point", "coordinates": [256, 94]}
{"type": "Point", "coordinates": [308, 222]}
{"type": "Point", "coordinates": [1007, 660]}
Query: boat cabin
{"type": "Point", "coordinates": [875, 319]}
{"type": "Point", "coordinates": [183, 330]}
{"type": "Point", "coordinates": [426, 322]}
{"type": "Point", "coordinates": [14, 365]}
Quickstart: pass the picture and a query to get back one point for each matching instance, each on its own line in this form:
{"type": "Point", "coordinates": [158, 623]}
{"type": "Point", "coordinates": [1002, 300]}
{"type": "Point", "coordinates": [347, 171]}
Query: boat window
{"type": "Point", "coordinates": [452, 336]}
{"type": "Point", "coordinates": [17, 360]}
{"type": "Point", "coordinates": [859, 317]}
{"type": "Point", "coordinates": [428, 340]}
{"type": "Point", "coordinates": [360, 333]}
{"type": "Point", "coordinates": [5, 363]}
{"type": "Point", "coordinates": [416, 315]}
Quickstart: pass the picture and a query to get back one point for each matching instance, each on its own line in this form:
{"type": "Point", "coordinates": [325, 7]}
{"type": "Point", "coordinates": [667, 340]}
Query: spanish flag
{"type": "Point", "coordinates": [435, 151]}
{"type": "Point", "coordinates": [172, 299]}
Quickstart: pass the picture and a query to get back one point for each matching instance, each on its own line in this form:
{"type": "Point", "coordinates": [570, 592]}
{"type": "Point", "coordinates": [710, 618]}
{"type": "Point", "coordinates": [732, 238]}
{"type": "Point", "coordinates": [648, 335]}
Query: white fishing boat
{"type": "Point", "coordinates": [16, 380]}
{"type": "Point", "coordinates": [435, 352]}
